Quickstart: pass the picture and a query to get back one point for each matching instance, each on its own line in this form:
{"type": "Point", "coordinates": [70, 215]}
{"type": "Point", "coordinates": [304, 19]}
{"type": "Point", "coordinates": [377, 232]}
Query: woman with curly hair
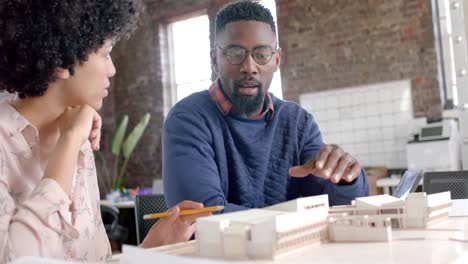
{"type": "Point", "coordinates": [55, 57]}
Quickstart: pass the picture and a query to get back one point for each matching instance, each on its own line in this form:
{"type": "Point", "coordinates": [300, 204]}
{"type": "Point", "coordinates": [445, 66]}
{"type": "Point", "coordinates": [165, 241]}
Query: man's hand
{"type": "Point", "coordinates": [174, 228]}
{"type": "Point", "coordinates": [331, 163]}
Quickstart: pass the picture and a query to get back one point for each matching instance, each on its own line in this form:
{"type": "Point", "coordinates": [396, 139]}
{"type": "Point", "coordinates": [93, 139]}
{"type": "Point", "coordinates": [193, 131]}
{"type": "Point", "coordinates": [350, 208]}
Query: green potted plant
{"type": "Point", "coordinates": [111, 178]}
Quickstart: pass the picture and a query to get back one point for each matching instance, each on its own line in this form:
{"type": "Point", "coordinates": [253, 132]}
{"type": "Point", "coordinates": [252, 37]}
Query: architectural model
{"type": "Point", "coordinates": [417, 211]}
{"type": "Point", "coordinates": [269, 232]}
{"type": "Point", "coordinates": [264, 233]}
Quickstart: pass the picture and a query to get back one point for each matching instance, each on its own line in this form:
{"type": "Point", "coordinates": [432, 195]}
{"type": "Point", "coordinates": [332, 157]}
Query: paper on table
{"type": "Point", "coordinates": [39, 260]}
{"type": "Point", "coordinates": [136, 255]}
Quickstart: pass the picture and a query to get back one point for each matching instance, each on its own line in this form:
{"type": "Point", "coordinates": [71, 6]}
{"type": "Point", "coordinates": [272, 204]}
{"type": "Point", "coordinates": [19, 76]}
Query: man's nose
{"type": "Point", "coordinates": [249, 66]}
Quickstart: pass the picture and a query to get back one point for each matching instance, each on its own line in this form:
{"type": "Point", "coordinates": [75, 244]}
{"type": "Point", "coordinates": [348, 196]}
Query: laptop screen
{"type": "Point", "coordinates": [408, 183]}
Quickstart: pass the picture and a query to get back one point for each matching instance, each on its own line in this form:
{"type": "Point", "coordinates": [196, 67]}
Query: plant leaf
{"type": "Point", "coordinates": [135, 136]}
{"type": "Point", "coordinates": [103, 176]}
{"type": "Point", "coordinates": [118, 135]}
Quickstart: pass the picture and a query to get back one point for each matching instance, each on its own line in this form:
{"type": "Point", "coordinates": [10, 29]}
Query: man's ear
{"type": "Point", "coordinates": [61, 73]}
{"type": "Point", "coordinates": [214, 61]}
{"type": "Point", "coordinates": [278, 54]}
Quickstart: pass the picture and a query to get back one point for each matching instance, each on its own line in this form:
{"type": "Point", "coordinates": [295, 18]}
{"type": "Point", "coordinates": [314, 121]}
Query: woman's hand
{"type": "Point", "coordinates": [174, 228]}
{"type": "Point", "coordinates": [81, 123]}
{"type": "Point", "coordinates": [76, 124]}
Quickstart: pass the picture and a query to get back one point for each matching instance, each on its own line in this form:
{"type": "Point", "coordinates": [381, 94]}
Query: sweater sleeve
{"type": "Point", "coordinates": [312, 185]}
{"type": "Point", "coordinates": [189, 168]}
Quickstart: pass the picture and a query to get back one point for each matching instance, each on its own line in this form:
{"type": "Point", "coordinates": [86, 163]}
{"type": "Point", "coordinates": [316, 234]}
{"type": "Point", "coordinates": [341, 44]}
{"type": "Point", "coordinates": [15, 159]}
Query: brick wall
{"type": "Point", "coordinates": [327, 44]}
{"type": "Point", "coordinates": [136, 89]}
{"type": "Point", "coordinates": [142, 73]}
{"type": "Point", "coordinates": [330, 44]}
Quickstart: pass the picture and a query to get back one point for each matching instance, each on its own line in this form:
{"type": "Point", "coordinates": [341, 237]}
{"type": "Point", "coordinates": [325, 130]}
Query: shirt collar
{"type": "Point", "coordinates": [226, 107]}
{"type": "Point", "coordinates": [16, 122]}
{"type": "Point", "coordinates": [19, 125]}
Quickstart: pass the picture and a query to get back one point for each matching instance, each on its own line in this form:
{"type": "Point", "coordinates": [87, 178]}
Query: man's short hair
{"type": "Point", "coordinates": [243, 10]}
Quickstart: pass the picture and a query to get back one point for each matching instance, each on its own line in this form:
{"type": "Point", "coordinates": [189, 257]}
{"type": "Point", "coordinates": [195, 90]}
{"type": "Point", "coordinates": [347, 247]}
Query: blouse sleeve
{"type": "Point", "coordinates": [35, 225]}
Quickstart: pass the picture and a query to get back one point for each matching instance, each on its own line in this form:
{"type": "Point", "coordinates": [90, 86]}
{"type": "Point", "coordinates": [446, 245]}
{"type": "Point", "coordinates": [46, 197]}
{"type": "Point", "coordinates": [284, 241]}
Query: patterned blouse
{"type": "Point", "coordinates": [37, 218]}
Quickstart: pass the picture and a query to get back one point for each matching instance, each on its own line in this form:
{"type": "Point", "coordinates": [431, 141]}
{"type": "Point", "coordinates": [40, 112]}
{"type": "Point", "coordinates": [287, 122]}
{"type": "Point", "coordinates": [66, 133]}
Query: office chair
{"type": "Point", "coordinates": [147, 204]}
{"type": "Point", "coordinates": [110, 219]}
{"type": "Point", "coordinates": [441, 181]}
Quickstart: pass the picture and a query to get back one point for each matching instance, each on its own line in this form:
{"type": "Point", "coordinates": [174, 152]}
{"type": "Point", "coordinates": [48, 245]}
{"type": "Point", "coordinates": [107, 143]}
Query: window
{"type": "Point", "coordinates": [275, 87]}
{"type": "Point", "coordinates": [444, 34]}
{"type": "Point", "coordinates": [189, 58]}
{"type": "Point", "coordinates": [389, 211]}
{"type": "Point", "coordinates": [189, 45]}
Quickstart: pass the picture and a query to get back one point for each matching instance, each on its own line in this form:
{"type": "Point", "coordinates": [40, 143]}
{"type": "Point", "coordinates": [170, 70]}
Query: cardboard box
{"type": "Point", "coordinates": [375, 173]}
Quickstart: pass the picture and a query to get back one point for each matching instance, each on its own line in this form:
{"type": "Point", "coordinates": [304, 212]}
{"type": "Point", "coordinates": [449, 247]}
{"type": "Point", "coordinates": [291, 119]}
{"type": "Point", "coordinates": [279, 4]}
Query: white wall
{"type": "Point", "coordinates": [370, 122]}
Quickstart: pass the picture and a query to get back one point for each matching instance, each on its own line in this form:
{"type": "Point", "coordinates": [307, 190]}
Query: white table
{"type": "Point", "coordinates": [433, 245]}
{"type": "Point", "coordinates": [120, 205]}
{"type": "Point", "coordinates": [388, 184]}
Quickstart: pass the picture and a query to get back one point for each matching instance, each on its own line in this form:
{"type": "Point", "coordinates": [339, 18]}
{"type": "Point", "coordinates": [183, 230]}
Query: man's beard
{"type": "Point", "coordinates": [247, 104]}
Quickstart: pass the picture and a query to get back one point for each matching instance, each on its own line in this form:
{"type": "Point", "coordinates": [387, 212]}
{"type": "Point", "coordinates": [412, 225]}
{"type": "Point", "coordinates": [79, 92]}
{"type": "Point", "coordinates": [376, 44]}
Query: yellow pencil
{"type": "Point", "coordinates": [185, 212]}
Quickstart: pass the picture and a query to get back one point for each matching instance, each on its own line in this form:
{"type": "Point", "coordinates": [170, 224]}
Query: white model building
{"type": "Point", "coordinates": [384, 205]}
{"type": "Point", "coordinates": [264, 233]}
{"type": "Point", "coordinates": [424, 210]}
{"type": "Point", "coordinates": [271, 231]}
{"type": "Point", "coordinates": [359, 228]}
{"type": "Point", "coordinates": [419, 210]}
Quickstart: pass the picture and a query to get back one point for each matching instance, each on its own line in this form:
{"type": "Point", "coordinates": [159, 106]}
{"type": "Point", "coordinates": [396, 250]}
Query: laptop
{"type": "Point", "coordinates": [408, 183]}
{"type": "Point", "coordinates": [434, 182]}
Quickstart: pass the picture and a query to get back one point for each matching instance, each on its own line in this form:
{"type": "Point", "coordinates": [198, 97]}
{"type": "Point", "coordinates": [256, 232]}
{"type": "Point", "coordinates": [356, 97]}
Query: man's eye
{"type": "Point", "coordinates": [235, 52]}
{"type": "Point", "coordinates": [235, 55]}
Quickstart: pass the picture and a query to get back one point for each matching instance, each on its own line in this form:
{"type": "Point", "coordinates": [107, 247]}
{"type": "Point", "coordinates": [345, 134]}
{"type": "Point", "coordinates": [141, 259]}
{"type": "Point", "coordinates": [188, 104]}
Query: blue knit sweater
{"type": "Point", "coordinates": [243, 163]}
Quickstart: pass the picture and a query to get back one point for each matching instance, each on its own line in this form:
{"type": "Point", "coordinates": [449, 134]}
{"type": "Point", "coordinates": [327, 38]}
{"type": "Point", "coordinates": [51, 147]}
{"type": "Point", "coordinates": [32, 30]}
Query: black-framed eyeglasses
{"type": "Point", "coordinates": [236, 54]}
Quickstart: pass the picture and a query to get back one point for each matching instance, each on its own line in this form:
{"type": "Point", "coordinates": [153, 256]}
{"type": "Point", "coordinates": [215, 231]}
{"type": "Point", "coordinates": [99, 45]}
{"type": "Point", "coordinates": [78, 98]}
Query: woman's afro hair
{"type": "Point", "coordinates": [38, 36]}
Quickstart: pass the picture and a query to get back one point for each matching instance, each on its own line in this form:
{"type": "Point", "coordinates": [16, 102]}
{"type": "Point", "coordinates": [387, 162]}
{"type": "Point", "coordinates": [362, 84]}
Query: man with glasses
{"type": "Point", "coordinates": [238, 145]}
